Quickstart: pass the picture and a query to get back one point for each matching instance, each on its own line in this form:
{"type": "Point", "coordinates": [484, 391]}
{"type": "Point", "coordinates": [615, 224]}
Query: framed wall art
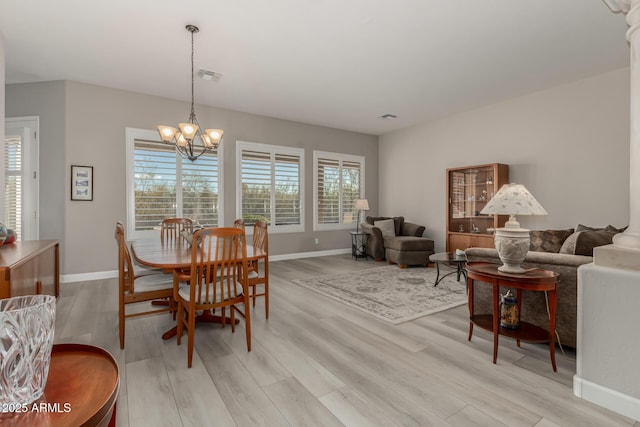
{"type": "Point", "coordinates": [82, 183]}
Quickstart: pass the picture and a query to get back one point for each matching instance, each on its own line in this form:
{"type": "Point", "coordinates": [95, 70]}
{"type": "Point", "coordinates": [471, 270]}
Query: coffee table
{"type": "Point", "coordinates": [448, 258]}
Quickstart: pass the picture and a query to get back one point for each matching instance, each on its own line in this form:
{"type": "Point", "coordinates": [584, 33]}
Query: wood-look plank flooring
{"type": "Point", "coordinates": [317, 362]}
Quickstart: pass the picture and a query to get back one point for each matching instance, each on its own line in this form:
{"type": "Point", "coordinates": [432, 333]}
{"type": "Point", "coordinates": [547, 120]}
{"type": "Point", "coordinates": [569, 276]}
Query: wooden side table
{"type": "Point", "coordinates": [82, 388]}
{"type": "Point", "coordinates": [533, 280]}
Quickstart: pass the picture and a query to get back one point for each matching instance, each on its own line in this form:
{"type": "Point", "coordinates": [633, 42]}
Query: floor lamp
{"type": "Point", "coordinates": [361, 205]}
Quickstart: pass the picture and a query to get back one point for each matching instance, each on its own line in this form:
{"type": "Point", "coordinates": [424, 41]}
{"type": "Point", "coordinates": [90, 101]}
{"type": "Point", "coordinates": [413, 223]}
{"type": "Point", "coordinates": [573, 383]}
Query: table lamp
{"type": "Point", "coordinates": [512, 242]}
{"type": "Point", "coordinates": [361, 205]}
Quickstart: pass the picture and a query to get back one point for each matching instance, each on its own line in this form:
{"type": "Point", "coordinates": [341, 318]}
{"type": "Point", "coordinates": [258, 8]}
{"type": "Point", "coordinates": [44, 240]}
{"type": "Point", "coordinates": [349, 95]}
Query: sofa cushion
{"type": "Point", "coordinates": [386, 226]}
{"type": "Point", "coordinates": [583, 242]}
{"type": "Point", "coordinates": [548, 240]}
{"type": "Point", "coordinates": [408, 243]}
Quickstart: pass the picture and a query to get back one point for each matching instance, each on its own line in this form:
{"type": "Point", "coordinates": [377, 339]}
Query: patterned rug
{"type": "Point", "coordinates": [390, 293]}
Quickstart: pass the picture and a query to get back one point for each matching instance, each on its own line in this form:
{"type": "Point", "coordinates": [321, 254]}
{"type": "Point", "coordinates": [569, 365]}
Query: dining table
{"type": "Point", "coordinates": [155, 253]}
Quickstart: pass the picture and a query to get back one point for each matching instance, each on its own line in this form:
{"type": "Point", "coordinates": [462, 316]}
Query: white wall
{"type": "Point", "coordinates": [47, 101]}
{"type": "Point", "coordinates": [569, 145]}
{"type": "Point", "coordinates": [89, 130]}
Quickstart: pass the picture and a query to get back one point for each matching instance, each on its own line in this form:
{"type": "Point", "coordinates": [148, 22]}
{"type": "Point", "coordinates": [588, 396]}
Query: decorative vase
{"type": "Point", "coordinates": [509, 311]}
{"type": "Point", "coordinates": [11, 236]}
{"type": "Point", "coordinates": [26, 338]}
{"type": "Point", "coordinates": [3, 233]}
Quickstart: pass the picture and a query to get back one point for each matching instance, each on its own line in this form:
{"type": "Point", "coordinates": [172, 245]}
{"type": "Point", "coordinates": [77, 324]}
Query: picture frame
{"type": "Point", "coordinates": [82, 183]}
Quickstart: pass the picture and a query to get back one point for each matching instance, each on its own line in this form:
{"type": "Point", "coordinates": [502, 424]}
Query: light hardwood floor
{"type": "Point", "coordinates": [317, 362]}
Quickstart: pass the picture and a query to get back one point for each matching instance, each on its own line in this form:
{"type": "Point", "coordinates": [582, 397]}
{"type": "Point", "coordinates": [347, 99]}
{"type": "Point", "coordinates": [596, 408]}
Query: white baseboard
{"type": "Point", "coordinates": [309, 254]}
{"type": "Point", "coordinates": [618, 402]}
{"type": "Point", "coordinates": [82, 277]}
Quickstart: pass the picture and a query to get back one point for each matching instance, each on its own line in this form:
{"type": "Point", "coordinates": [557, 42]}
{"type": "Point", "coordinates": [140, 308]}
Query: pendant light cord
{"type": "Point", "coordinates": [193, 112]}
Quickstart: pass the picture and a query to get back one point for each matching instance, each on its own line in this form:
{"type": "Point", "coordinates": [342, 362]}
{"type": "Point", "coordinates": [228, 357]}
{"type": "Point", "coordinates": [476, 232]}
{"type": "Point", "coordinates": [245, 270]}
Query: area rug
{"type": "Point", "coordinates": [393, 294]}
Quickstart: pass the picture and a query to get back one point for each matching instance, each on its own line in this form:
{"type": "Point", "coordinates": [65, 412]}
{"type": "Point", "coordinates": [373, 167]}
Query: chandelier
{"type": "Point", "coordinates": [190, 141]}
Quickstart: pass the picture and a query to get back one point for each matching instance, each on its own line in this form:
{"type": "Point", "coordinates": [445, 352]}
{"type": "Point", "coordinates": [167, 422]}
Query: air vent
{"type": "Point", "coordinates": [387, 116]}
{"type": "Point", "coordinates": [209, 75]}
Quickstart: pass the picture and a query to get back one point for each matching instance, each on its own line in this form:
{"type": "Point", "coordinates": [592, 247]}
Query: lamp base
{"type": "Point", "coordinates": [514, 269]}
{"type": "Point", "coordinates": [512, 244]}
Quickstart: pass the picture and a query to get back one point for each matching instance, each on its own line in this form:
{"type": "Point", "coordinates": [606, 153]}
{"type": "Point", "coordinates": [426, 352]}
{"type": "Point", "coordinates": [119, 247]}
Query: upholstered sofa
{"type": "Point", "coordinates": [562, 251]}
{"type": "Point", "coordinates": [397, 241]}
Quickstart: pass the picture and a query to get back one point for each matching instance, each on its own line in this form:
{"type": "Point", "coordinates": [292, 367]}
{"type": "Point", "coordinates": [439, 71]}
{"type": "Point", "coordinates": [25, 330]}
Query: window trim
{"type": "Point", "coordinates": [272, 150]}
{"type": "Point", "coordinates": [341, 157]}
{"type": "Point", "coordinates": [133, 134]}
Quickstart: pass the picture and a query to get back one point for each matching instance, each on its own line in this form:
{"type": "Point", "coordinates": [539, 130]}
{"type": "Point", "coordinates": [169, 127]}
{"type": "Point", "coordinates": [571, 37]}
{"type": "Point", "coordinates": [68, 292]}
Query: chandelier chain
{"type": "Point", "coordinates": [191, 140]}
{"type": "Point", "coordinates": [193, 111]}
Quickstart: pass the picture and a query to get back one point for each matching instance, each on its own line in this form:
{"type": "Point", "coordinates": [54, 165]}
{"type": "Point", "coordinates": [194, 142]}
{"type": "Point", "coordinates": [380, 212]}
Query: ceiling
{"type": "Point", "coordinates": [336, 63]}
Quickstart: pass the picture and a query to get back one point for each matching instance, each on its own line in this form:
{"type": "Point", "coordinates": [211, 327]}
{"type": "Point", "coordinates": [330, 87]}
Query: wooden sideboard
{"type": "Point", "coordinates": [30, 267]}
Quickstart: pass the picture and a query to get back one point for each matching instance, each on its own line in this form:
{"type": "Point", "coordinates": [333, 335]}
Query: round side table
{"type": "Point", "coordinates": [82, 388]}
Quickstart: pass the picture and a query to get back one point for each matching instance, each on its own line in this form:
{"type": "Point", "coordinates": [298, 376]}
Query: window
{"type": "Point", "coordinates": [21, 176]}
{"type": "Point", "coordinates": [161, 184]}
{"type": "Point", "coordinates": [338, 183]}
{"type": "Point", "coordinates": [13, 183]}
{"type": "Point", "coordinates": [270, 183]}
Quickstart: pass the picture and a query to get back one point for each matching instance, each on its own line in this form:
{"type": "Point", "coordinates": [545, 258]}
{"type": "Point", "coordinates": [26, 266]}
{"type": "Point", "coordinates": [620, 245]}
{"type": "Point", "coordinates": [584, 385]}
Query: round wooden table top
{"type": "Point", "coordinates": [536, 275]}
{"type": "Point", "coordinates": [82, 388]}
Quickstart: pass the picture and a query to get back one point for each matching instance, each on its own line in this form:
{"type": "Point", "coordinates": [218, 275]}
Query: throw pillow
{"type": "Point", "coordinates": [581, 227]}
{"type": "Point", "coordinates": [397, 220]}
{"type": "Point", "coordinates": [372, 219]}
{"type": "Point", "coordinates": [548, 240]}
{"type": "Point", "coordinates": [386, 227]}
{"type": "Point", "coordinates": [615, 230]}
{"type": "Point", "coordinates": [583, 242]}
{"type": "Point", "coordinates": [569, 245]}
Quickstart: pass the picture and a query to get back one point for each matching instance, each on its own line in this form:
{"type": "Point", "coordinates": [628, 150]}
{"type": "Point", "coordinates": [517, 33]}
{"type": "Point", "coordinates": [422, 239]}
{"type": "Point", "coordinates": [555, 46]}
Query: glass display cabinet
{"type": "Point", "coordinates": [468, 191]}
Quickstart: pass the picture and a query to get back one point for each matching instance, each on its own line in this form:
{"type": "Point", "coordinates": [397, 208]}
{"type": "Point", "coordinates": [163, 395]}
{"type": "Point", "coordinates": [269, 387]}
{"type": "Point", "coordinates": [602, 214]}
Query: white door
{"type": "Point", "coordinates": [21, 176]}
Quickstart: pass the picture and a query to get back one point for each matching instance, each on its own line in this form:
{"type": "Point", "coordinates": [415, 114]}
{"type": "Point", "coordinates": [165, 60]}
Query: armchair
{"type": "Point", "coordinates": [403, 244]}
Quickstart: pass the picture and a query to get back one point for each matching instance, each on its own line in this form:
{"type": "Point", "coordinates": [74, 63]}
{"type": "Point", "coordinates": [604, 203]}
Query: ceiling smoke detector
{"type": "Point", "coordinates": [387, 116]}
{"type": "Point", "coordinates": [209, 75]}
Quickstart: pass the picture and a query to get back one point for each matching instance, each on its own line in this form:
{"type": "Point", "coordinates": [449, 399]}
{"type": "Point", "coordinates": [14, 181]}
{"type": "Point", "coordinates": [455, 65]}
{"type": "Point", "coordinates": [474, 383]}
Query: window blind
{"type": "Point", "coordinates": [13, 184]}
{"type": "Point", "coordinates": [271, 188]}
{"type": "Point", "coordinates": [167, 185]}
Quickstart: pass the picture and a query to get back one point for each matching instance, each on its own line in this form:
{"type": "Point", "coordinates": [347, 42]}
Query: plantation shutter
{"type": "Point", "coordinates": [154, 174]}
{"type": "Point", "coordinates": [13, 184]}
{"type": "Point", "coordinates": [256, 186]}
{"type": "Point", "coordinates": [200, 189]}
{"type": "Point", "coordinates": [167, 185]}
{"type": "Point", "coordinates": [350, 188]}
{"type": "Point", "coordinates": [328, 191]}
{"type": "Point", "coordinates": [287, 189]}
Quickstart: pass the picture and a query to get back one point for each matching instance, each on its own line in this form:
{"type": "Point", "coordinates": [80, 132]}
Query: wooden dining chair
{"type": "Point", "coordinates": [171, 229]}
{"type": "Point", "coordinates": [255, 276]}
{"type": "Point", "coordinates": [217, 279]}
{"type": "Point", "coordinates": [134, 289]}
{"type": "Point", "coordinates": [239, 223]}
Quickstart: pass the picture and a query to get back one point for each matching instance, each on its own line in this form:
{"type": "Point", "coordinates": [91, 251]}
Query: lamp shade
{"type": "Point", "coordinates": [512, 242]}
{"type": "Point", "coordinates": [513, 199]}
{"type": "Point", "coordinates": [215, 135]}
{"type": "Point", "coordinates": [167, 133]}
{"type": "Point", "coordinates": [362, 205]}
